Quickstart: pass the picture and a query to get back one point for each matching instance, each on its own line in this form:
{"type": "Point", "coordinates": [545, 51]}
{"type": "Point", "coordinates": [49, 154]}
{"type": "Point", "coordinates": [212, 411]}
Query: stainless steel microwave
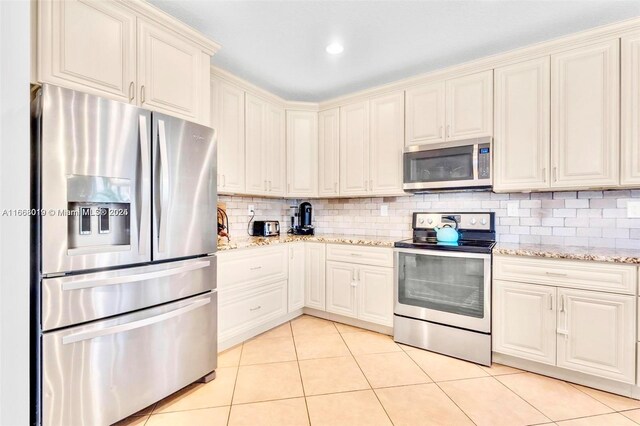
{"type": "Point", "coordinates": [462, 164]}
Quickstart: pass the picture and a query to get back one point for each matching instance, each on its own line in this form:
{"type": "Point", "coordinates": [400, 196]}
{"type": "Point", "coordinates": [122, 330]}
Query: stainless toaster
{"type": "Point", "coordinates": [266, 228]}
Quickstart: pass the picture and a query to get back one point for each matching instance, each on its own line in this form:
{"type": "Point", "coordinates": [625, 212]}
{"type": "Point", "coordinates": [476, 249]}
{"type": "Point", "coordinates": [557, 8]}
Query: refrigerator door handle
{"type": "Point", "coordinates": [126, 279]}
{"type": "Point", "coordinates": [143, 231]}
{"type": "Point", "coordinates": [92, 334]}
{"type": "Point", "coordinates": [164, 186]}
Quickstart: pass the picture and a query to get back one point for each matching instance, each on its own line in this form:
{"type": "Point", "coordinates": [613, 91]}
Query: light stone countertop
{"type": "Point", "coordinates": [360, 240]}
{"type": "Point", "coordinates": [597, 254]}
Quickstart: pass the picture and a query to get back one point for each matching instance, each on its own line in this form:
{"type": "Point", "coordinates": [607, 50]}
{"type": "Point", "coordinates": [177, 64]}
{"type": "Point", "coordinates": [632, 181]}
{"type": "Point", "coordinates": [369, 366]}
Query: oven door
{"type": "Point", "coordinates": [444, 287]}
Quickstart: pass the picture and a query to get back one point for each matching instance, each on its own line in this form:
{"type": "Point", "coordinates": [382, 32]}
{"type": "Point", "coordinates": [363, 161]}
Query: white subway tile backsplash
{"type": "Point", "coordinates": [587, 218]}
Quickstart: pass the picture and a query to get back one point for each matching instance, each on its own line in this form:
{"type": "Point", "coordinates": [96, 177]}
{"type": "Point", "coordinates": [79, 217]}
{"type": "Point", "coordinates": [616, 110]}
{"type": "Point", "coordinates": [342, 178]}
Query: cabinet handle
{"type": "Point", "coordinates": [265, 185]}
{"type": "Point", "coordinates": [555, 174]}
{"type": "Point", "coordinates": [354, 284]}
{"type": "Point", "coordinates": [269, 186]}
{"type": "Point", "coordinates": [555, 274]}
{"type": "Point", "coordinates": [289, 187]}
{"type": "Point", "coordinates": [441, 129]}
{"type": "Point", "coordinates": [562, 331]}
{"type": "Point", "coordinates": [544, 173]}
{"type": "Point", "coordinates": [448, 130]}
{"type": "Point", "coordinates": [224, 180]}
{"type": "Point", "coordinates": [356, 254]}
{"type": "Point", "coordinates": [335, 186]}
{"type": "Point", "coordinates": [562, 303]}
{"type": "Point", "coordinates": [132, 91]}
{"type": "Point", "coordinates": [255, 309]}
{"type": "Point", "coordinates": [551, 302]}
{"type": "Point", "coordinates": [255, 268]}
{"type": "Point", "coordinates": [142, 99]}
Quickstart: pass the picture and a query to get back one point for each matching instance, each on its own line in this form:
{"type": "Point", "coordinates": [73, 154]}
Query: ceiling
{"type": "Point", "coordinates": [280, 45]}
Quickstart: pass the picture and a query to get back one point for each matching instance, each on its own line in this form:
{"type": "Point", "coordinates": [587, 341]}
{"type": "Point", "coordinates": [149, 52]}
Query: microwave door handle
{"type": "Point", "coordinates": [121, 328]}
{"type": "Point", "coordinates": [145, 187]}
{"type": "Point", "coordinates": [475, 161]}
{"type": "Point", "coordinates": [164, 186]}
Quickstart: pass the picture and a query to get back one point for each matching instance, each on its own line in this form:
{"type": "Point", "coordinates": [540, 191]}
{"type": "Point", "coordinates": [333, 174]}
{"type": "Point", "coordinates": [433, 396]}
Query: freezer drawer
{"type": "Point", "coordinates": [99, 373]}
{"type": "Point", "coordinates": [81, 298]}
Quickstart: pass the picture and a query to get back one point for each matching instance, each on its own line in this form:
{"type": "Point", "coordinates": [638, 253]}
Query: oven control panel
{"type": "Point", "coordinates": [472, 221]}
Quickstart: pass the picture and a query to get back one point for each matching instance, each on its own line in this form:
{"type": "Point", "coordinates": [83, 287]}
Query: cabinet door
{"type": "Point", "coordinates": [597, 333]}
{"type": "Point", "coordinates": [470, 106]}
{"type": "Point", "coordinates": [522, 126]}
{"type": "Point", "coordinates": [375, 295]}
{"type": "Point", "coordinates": [630, 110]}
{"type": "Point", "coordinates": [88, 46]}
{"type": "Point", "coordinates": [524, 321]}
{"type": "Point", "coordinates": [387, 141]}
{"type": "Point", "coordinates": [302, 154]}
{"type": "Point", "coordinates": [228, 120]}
{"type": "Point", "coordinates": [425, 114]}
{"type": "Point", "coordinates": [341, 289]}
{"type": "Point", "coordinates": [170, 72]}
{"type": "Point", "coordinates": [296, 276]}
{"type": "Point", "coordinates": [585, 92]}
{"type": "Point", "coordinates": [329, 152]}
{"type": "Point", "coordinates": [314, 283]}
{"type": "Point", "coordinates": [354, 149]}
{"type": "Point", "coordinates": [255, 142]}
{"type": "Point", "coordinates": [276, 150]}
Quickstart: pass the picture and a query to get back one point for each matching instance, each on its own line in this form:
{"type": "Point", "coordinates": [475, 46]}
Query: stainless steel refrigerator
{"type": "Point", "coordinates": [126, 302]}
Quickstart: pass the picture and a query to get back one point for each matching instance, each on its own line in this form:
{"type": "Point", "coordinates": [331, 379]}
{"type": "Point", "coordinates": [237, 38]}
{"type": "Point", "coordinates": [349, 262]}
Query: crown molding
{"type": "Point", "coordinates": [148, 11]}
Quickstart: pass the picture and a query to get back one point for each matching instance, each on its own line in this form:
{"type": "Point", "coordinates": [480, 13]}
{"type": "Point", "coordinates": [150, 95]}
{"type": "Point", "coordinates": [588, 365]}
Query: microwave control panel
{"type": "Point", "coordinates": [484, 161]}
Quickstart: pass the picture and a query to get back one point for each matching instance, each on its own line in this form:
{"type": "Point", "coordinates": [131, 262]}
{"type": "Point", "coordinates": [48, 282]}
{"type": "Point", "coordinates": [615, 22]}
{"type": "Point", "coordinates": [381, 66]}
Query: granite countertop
{"type": "Point", "coordinates": [361, 240]}
{"type": "Point", "coordinates": [598, 254]}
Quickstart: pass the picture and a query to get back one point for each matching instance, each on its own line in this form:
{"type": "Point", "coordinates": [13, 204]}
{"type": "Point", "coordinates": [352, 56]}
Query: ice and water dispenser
{"type": "Point", "coordinates": [99, 214]}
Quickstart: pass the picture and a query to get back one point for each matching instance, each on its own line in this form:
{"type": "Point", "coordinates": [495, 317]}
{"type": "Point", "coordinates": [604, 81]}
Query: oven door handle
{"type": "Point", "coordinates": [443, 253]}
{"type": "Point", "coordinates": [475, 162]}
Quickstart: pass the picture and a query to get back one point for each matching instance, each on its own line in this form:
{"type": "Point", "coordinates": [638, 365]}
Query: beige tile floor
{"type": "Point", "coordinates": [312, 371]}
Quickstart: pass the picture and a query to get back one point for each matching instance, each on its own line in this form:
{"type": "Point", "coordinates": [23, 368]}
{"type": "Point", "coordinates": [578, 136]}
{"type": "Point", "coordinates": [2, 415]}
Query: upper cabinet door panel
{"type": "Point", "coordinates": [354, 149]}
{"type": "Point", "coordinates": [585, 95]}
{"type": "Point", "coordinates": [88, 46]}
{"type": "Point", "coordinates": [169, 72]}
{"type": "Point", "coordinates": [276, 150]}
{"type": "Point", "coordinates": [425, 112]}
{"type": "Point", "coordinates": [302, 153]}
{"type": "Point", "coordinates": [255, 142]}
{"type": "Point", "coordinates": [228, 120]}
{"type": "Point", "coordinates": [522, 126]}
{"type": "Point", "coordinates": [387, 137]}
{"type": "Point", "coordinates": [470, 106]}
{"type": "Point", "coordinates": [329, 152]}
{"type": "Point", "coordinates": [631, 110]}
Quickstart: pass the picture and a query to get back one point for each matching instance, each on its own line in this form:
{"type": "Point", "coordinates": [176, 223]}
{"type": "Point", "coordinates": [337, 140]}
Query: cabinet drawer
{"type": "Point", "coordinates": [376, 256]}
{"type": "Point", "coordinates": [566, 273]}
{"type": "Point", "coordinates": [242, 310]}
{"type": "Point", "coordinates": [245, 266]}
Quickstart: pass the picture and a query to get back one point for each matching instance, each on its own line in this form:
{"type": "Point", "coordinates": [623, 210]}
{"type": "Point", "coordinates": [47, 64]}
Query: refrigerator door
{"type": "Point", "coordinates": [95, 166]}
{"type": "Point", "coordinates": [184, 182]}
{"type": "Point", "coordinates": [104, 371]}
{"type": "Point", "coordinates": [76, 299]}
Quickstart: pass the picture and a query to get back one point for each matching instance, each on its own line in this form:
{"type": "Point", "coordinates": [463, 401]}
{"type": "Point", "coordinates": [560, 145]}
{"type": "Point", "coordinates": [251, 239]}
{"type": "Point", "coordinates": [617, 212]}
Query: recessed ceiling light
{"type": "Point", "coordinates": [335, 48]}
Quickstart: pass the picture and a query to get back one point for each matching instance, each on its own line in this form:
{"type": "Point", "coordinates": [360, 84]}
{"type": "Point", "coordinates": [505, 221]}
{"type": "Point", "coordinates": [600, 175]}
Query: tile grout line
{"type": "Point", "coordinates": [365, 376]}
{"type": "Point", "coordinates": [521, 397]}
{"type": "Point", "coordinates": [235, 382]}
{"type": "Point", "coordinates": [304, 393]}
{"type": "Point", "coordinates": [573, 385]}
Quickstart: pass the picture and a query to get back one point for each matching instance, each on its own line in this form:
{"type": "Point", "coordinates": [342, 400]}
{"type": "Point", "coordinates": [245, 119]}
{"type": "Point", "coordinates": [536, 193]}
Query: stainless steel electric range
{"type": "Point", "coordinates": [443, 290]}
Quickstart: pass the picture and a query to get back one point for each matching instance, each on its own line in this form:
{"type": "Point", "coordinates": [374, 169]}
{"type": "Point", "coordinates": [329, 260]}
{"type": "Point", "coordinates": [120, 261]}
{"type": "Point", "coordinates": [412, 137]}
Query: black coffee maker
{"type": "Point", "coordinates": [301, 218]}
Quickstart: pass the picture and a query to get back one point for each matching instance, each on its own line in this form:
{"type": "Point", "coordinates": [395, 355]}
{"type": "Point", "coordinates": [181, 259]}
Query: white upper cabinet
{"type": "Point", "coordinates": [302, 154]}
{"type": "Point", "coordinates": [172, 72]}
{"type": "Point", "coordinates": [522, 126]}
{"type": "Point", "coordinates": [630, 174]}
{"type": "Point", "coordinates": [585, 94]}
{"type": "Point", "coordinates": [469, 111]}
{"type": "Point", "coordinates": [597, 334]}
{"type": "Point", "coordinates": [387, 141]}
{"type": "Point", "coordinates": [354, 149]}
{"type": "Point", "coordinates": [329, 152]}
{"type": "Point", "coordinates": [425, 112]}
{"type": "Point", "coordinates": [228, 120]}
{"type": "Point", "coordinates": [276, 151]}
{"type": "Point", "coordinates": [524, 321]}
{"type": "Point", "coordinates": [88, 46]}
{"type": "Point", "coordinates": [256, 145]}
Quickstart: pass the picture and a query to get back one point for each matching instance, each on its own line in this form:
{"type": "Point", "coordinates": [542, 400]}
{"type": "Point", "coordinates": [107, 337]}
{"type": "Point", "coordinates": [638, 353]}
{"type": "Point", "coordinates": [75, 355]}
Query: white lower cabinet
{"type": "Point", "coordinates": [296, 276]}
{"type": "Point", "coordinates": [524, 321]}
{"type": "Point", "coordinates": [587, 331]}
{"type": "Point", "coordinates": [314, 282]}
{"type": "Point", "coordinates": [596, 333]}
{"type": "Point", "coordinates": [360, 291]}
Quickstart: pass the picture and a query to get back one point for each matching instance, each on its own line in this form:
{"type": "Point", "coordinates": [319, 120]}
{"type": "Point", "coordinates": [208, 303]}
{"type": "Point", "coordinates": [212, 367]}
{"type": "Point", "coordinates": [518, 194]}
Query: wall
{"type": "Point", "coordinates": [587, 218]}
{"type": "Point", "coordinates": [14, 194]}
